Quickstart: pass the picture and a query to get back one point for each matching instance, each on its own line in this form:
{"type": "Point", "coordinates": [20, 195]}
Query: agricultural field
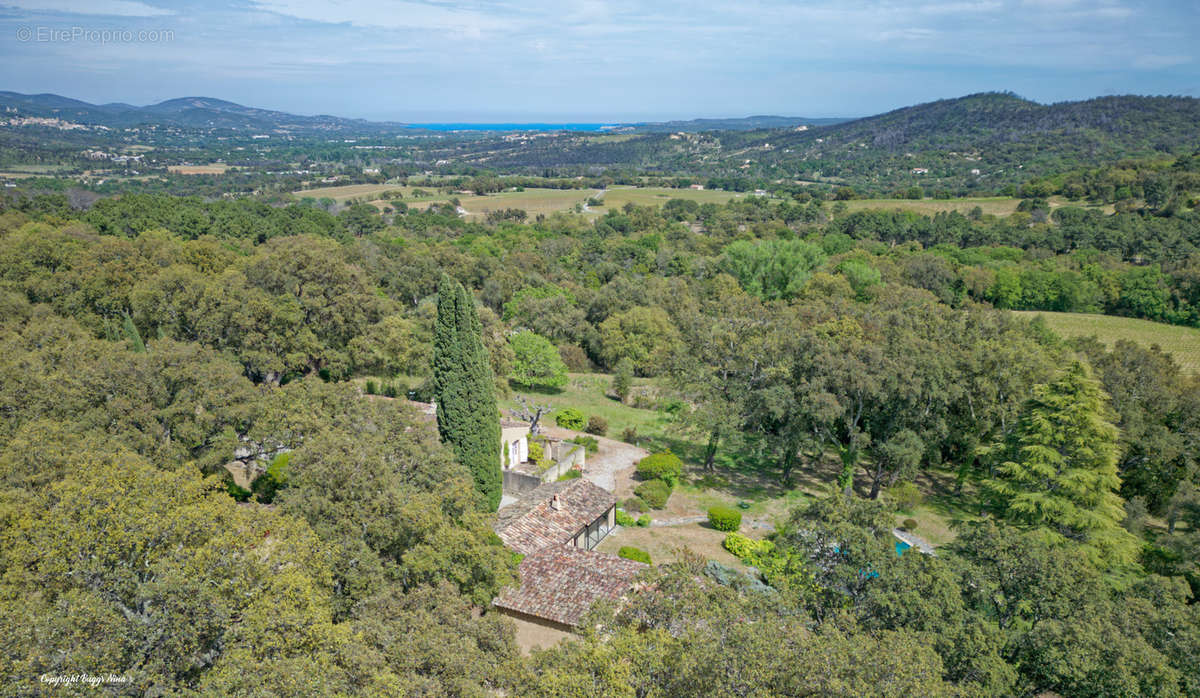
{"type": "Point", "coordinates": [990, 205]}
{"type": "Point", "coordinates": [616, 197]}
{"type": "Point", "coordinates": [349, 191]}
{"type": "Point", "coordinates": [198, 169]}
{"type": "Point", "coordinates": [531, 201]}
{"type": "Point", "coordinates": [1182, 343]}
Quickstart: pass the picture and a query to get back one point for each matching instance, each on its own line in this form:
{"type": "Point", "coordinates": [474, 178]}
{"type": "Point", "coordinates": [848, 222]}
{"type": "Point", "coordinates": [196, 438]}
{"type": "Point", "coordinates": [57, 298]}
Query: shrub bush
{"type": "Point", "coordinates": [535, 451]}
{"type": "Point", "coordinates": [636, 554]}
{"type": "Point", "coordinates": [240, 494]}
{"type": "Point", "coordinates": [590, 444]}
{"type": "Point", "coordinates": [746, 549]}
{"type": "Point", "coordinates": [371, 388]}
{"type": "Point", "coordinates": [634, 505]}
{"type": "Point", "coordinates": [905, 496]}
{"type": "Point", "coordinates": [664, 466]}
{"type": "Point", "coordinates": [624, 519]}
{"type": "Point", "coordinates": [571, 474]}
{"type": "Point", "coordinates": [643, 520]}
{"type": "Point", "coordinates": [724, 518]}
{"type": "Point", "coordinates": [654, 492]}
{"type": "Point", "coordinates": [910, 524]}
{"type": "Point", "coordinates": [597, 425]}
{"type": "Point", "coordinates": [267, 485]}
{"type": "Point", "coordinates": [390, 390]}
{"type": "Point", "coordinates": [570, 418]}
{"type": "Point", "coordinates": [629, 435]}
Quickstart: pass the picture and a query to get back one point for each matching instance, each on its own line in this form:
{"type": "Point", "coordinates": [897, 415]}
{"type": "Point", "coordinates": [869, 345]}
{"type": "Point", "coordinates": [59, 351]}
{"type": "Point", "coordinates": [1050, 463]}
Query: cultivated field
{"type": "Point", "coordinates": [1182, 343]}
{"type": "Point", "coordinates": [198, 169]}
{"type": "Point", "coordinates": [350, 191]}
{"type": "Point", "coordinates": [617, 197]}
{"type": "Point", "coordinates": [990, 205]}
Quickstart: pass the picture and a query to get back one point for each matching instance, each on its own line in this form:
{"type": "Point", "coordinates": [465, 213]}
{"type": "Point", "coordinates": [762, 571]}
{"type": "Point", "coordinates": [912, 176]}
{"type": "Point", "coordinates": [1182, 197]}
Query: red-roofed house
{"type": "Point", "coordinates": [561, 582]}
{"type": "Point", "coordinates": [556, 526]}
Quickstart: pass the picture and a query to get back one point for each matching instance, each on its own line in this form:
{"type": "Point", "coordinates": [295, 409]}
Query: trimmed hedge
{"type": "Point", "coordinates": [665, 466]}
{"type": "Point", "coordinates": [654, 493]}
{"type": "Point", "coordinates": [724, 518]}
{"type": "Point", "coordinates": [624, 519]}
{"type": "Point", "coordinates": [643, 520]}
{"type": "Point", "coordinates": [636, 554]}
{"type": "Point", "coordinates": [634, 505]}
{"type": "Point", "coordinates": [746, 549]}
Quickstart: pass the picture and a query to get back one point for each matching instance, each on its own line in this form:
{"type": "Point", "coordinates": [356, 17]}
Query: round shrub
{"type": "Point", "coordinates": [636, 554]}
{"type": "Point", "coordinates": [654, 492]}
{"type": "Point", "coordinates": [625, 520]}
{"type": "Point", "coordinates": [634, 504]}
{"type": "Point", "coordinates": [643, 520]}
{"type": "Point", "coordinates": [536, 452]}
{"type": "Point", "coordinates": [570, 418]}
{"type": "Point", "coordinates": [746, 549]}
{"type": "Point", "coordinates": [724, 518]}
{"type": "Point", "coordinates": [597, 425]}
{"type": "Point", "coordinates": [910, 524]}
{"type": "Point", "coordinates": [664, 466]}
{"type": "Point", "coordinates": [372, 389]}
{"type": "Point", "coordinates": [629, 435]}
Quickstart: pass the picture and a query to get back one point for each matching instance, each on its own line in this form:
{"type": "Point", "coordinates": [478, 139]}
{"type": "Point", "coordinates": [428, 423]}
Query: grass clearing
{"type": "Point", "coordinates": [198, 169]}
{"type": "Point", "coordinates": [1182, 343]}
{"type": "Point", "coordinates": [351, 191]}
{"type": "Point", "coordinates": [616, 197]}
{"type": "Point", "coordinates": [664, 543]}
{"type": "Point", "coordinates": [990, 205]}
{"type": "Point", "coordinates": [587, 393]}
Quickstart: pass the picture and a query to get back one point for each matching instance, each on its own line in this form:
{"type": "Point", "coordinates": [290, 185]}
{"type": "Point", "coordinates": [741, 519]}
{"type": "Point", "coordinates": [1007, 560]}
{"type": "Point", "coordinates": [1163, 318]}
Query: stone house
{"type": "Point", "coordinates": [556, 527]}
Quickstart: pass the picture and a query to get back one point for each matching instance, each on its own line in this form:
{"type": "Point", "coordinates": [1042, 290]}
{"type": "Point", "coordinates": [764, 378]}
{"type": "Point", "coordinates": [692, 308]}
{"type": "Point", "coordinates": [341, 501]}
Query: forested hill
{"type": "Point", "coordinates": [978, 142]}
{"type": "Point", "coordinates": [183, 112]}
{"type": "Point", "coordinates": [980, 120]}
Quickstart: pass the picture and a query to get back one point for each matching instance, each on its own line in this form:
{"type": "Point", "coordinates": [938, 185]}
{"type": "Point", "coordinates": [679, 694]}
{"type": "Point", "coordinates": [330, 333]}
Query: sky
{"type": "Point", "coordinates": [594, 60]}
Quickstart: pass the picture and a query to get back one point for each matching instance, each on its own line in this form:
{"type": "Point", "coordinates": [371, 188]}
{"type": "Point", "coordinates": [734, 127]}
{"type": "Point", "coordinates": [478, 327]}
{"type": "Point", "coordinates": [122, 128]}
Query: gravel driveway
{"type": "Point", "coordinates": [601, 467]}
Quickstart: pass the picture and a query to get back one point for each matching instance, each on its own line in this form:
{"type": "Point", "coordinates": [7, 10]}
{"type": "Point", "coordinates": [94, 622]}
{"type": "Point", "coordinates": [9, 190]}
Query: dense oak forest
{"type": "Point", "coordinates": [144, 338]}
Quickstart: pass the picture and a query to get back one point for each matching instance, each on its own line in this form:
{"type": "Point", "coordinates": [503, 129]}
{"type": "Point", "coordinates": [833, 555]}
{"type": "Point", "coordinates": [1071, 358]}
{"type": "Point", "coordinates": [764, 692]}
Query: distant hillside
{"type": "Point", "coordinates": [184, 112]}
{"type": "Point", "coordinates": [986, 119]}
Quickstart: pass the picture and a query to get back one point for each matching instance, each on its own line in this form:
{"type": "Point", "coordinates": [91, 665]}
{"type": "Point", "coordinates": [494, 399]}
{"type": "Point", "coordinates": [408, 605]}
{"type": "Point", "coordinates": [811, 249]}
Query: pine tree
{"type": "Point", "coordinates": [1062, 479]}
{"type": "Point", "coordinates": [463, 386]}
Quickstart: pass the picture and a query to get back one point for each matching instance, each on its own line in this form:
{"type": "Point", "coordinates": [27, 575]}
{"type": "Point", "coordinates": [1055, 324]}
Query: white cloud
{"type": "Point", "coordinates": [118, 8]}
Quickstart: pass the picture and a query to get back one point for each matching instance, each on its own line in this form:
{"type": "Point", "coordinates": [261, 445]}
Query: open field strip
{"type": "Point", "coordinates": [1182, 343]}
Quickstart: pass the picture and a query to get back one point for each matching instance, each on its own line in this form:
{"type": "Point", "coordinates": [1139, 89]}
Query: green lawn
{"type": "Point", "coordinates": [1182, 343]}
{"type": "Point", "coordinates": [586, 392]}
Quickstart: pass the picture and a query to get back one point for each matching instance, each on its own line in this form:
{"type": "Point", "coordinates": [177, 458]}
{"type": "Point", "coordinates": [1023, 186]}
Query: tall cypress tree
{"type": "Point", "coordinates": [467, 417]}
{"type": "Point", "coordinates": [1062, 477]}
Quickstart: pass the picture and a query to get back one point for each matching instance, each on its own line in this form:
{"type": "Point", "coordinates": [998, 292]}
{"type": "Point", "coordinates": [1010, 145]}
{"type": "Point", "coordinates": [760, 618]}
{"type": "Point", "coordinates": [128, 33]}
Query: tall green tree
{"type": "Point", "coordinates": [464, 389]}
{"type": "Point", "coordinates": [1061, 476]}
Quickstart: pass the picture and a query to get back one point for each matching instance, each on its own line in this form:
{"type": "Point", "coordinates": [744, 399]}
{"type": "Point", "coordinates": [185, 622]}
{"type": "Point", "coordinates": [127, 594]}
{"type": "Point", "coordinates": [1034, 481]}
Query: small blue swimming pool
{"type": "Point", "coordinates": [901, 546]}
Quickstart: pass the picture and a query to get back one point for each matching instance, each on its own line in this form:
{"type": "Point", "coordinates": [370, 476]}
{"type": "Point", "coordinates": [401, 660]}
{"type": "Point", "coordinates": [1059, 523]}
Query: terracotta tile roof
{"type": "Point", "coordinates": [531, 523]}
{"type": "Point", "coordinates": [560, 583]}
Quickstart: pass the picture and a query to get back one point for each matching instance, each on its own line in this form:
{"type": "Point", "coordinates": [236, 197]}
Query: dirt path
{"type": "Point", "coordinates": [603, 465]}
